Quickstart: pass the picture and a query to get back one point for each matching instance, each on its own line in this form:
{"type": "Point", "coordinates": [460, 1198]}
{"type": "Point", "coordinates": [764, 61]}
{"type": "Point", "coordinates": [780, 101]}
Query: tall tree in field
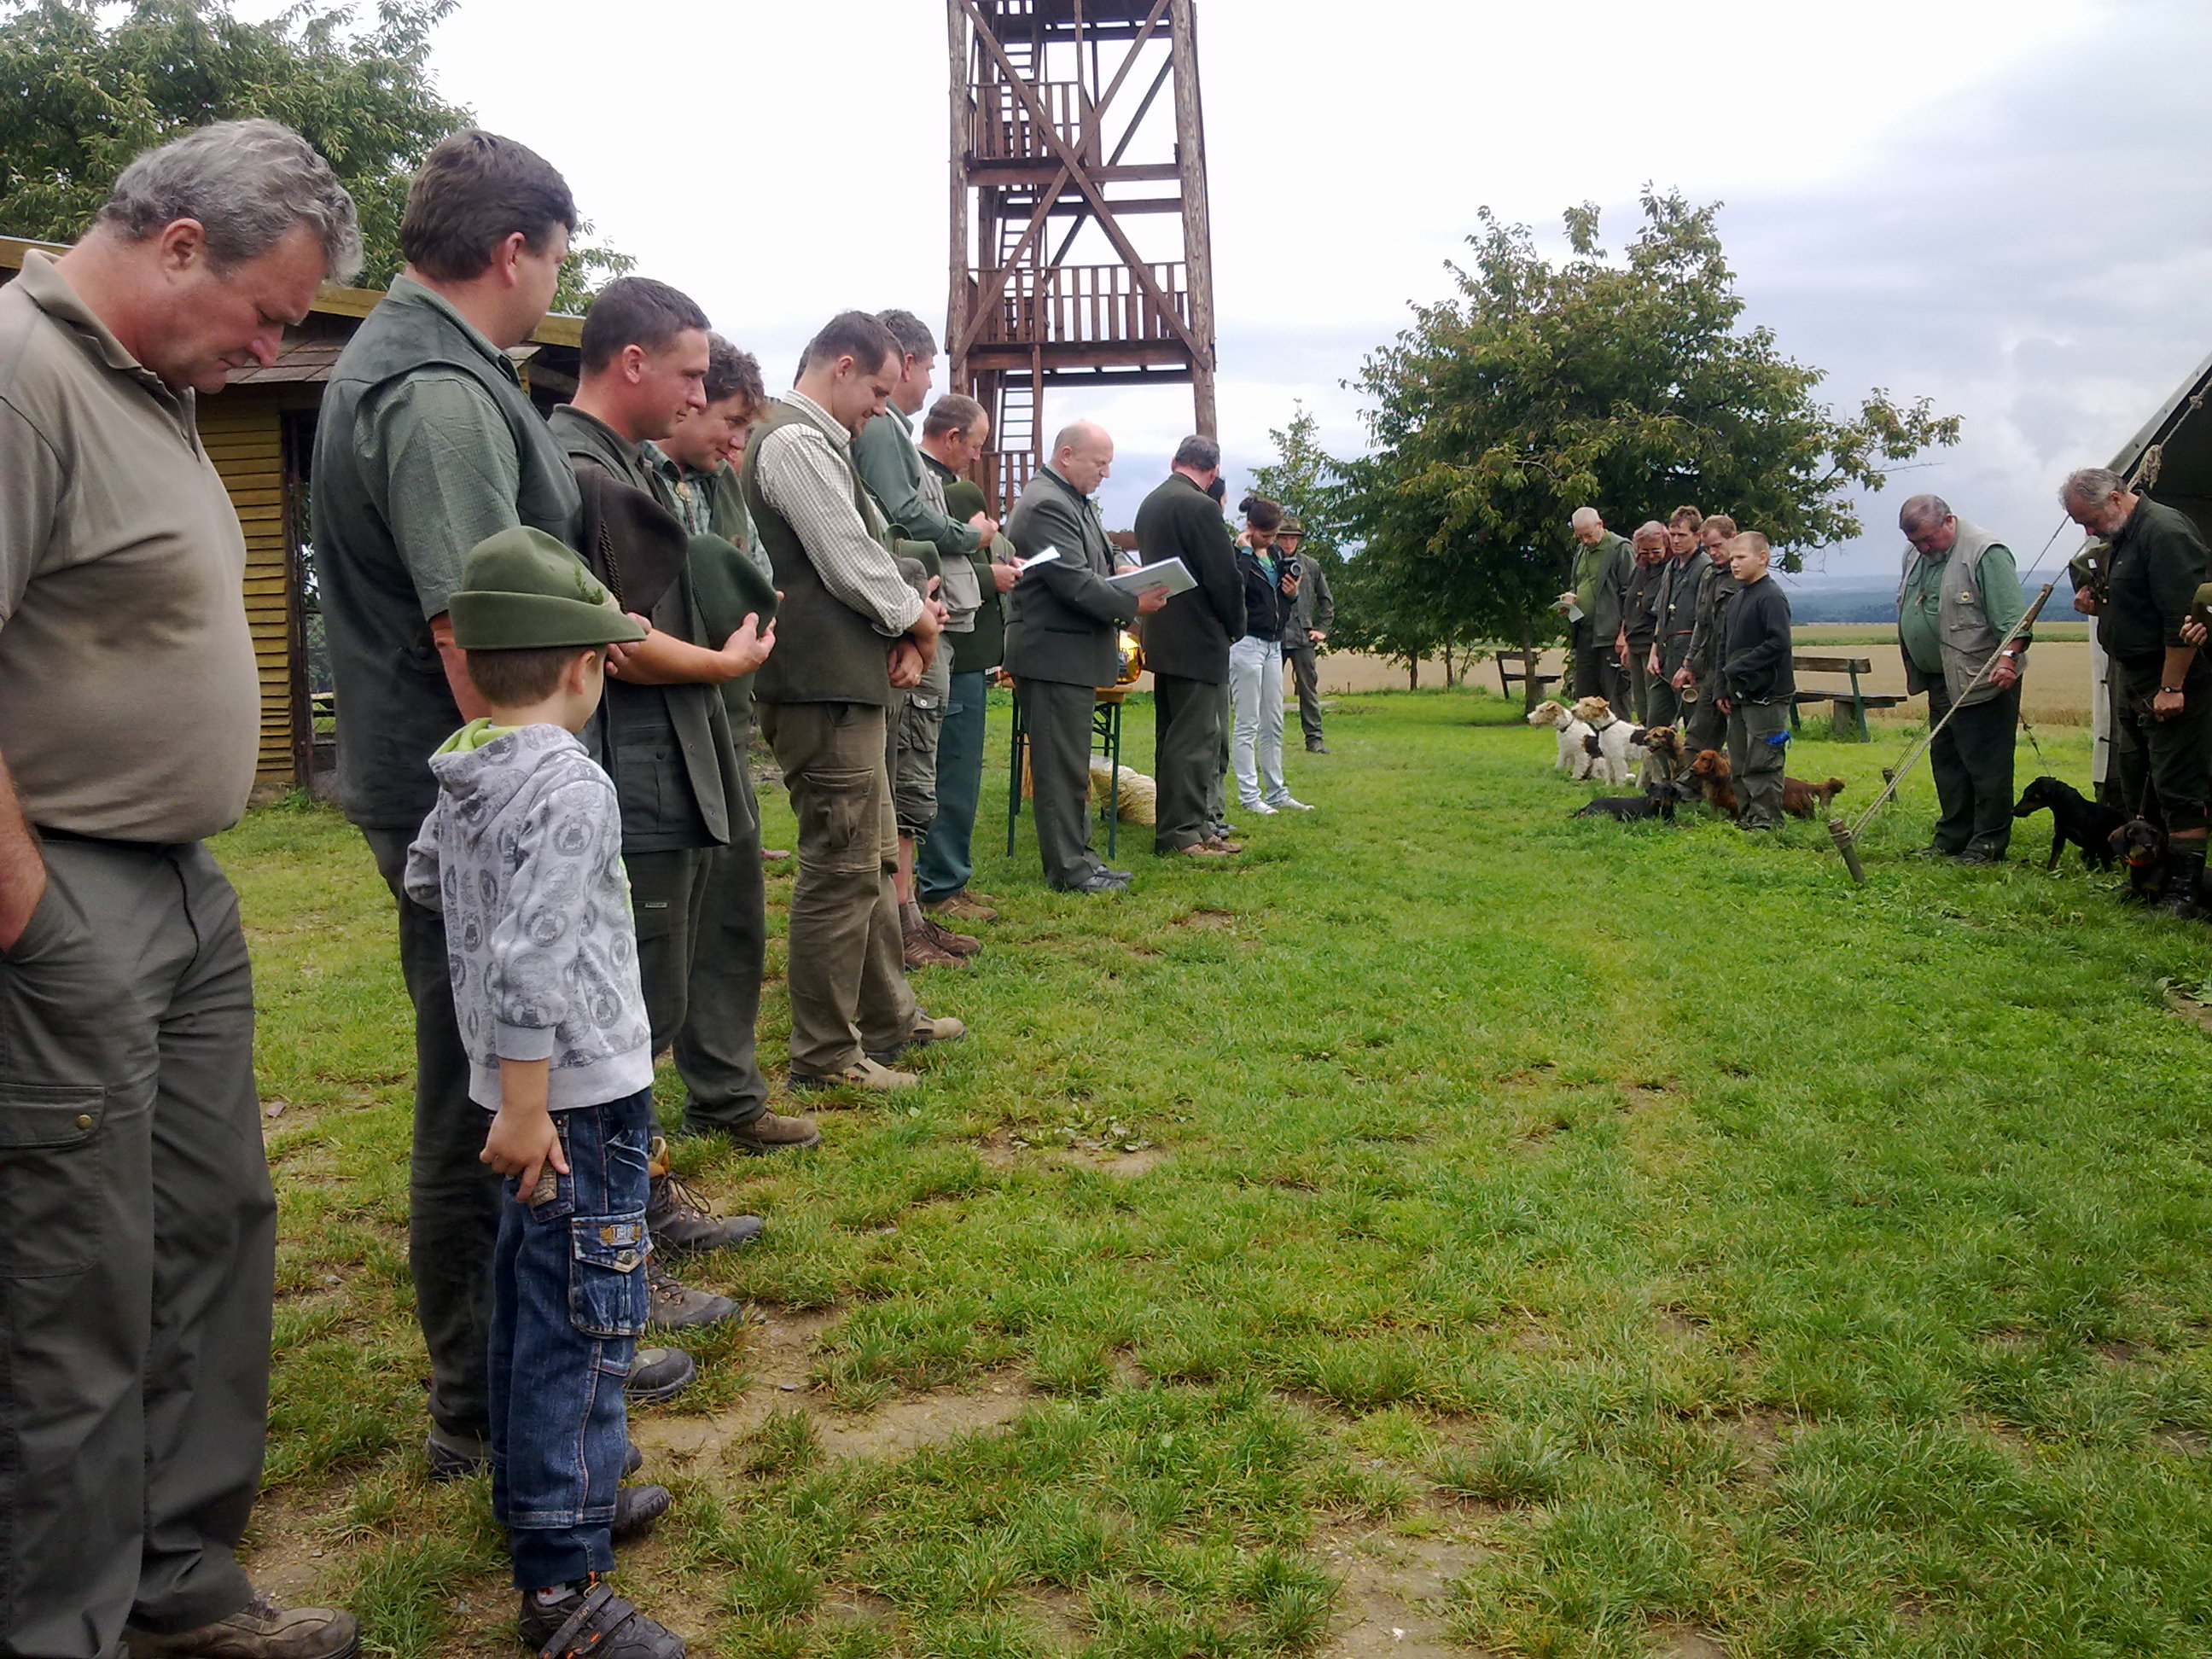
{"type": "Point", "coordinates": [1627, 385]}
{"type": "Point", "coordinates": [83, 90]}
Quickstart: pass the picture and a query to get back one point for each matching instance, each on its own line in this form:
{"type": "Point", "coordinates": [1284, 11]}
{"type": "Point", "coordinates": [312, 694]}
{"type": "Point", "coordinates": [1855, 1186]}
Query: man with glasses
{"type": "Point", "coordinates": [1959, 599]}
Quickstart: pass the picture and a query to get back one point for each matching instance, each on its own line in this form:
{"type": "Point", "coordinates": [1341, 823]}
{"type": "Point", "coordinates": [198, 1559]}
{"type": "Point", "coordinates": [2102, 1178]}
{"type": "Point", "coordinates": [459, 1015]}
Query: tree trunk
{"type": "Point", "coordinates": [1413, 672]}
{"type": "Point", "coordinates": [1450, 677]}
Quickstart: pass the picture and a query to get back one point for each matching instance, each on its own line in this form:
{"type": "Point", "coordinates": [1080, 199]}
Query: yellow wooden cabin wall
{"type": "Point", "coordinates": [244, 437]}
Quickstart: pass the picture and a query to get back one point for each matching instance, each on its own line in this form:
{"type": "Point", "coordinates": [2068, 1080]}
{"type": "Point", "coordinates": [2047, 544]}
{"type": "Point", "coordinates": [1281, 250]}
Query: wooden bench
{"type": "Point", "coordinates": [1525, 673]}
{"type": "Point", "coordinates": [1848, 717]}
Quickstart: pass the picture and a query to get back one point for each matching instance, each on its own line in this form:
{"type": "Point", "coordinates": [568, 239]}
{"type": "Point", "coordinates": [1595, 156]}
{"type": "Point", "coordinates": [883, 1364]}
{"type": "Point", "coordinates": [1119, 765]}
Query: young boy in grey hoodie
{"type": "Point", "coordinates": [523, 853]}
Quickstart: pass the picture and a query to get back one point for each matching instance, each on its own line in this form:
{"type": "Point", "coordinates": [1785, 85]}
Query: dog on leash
{"type": "Point", "coordinates": [2141, 845]}
{"type": "Point", "coordinates": [1712, 774]}
{"type": "Point", "coordinates": [1658, 800]}
{"type": "Point", "coordinates": [2075, 820]}
{"type": "Point", "coordinates": [1575, 758]}
{"type": "Point", "coordinates": [1616, 740]}
{"type": "Point", "coordinates": [1667, 758]}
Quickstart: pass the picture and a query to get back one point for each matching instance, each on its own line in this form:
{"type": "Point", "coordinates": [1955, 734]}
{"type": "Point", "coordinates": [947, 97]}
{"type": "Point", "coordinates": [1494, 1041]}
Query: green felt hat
{"type": "Point", "coordinates": [1290, 525]}
{"type": "Point", "coordinates": [962, 500]}
{"type": "Point", "coordinates": [521, 590]}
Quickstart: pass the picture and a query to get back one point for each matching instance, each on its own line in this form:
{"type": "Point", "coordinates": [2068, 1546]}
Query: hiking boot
{"type": "Point", "coordinates": [678, 1221]}
{"type": "Point", "coordinates": [262, 1629]}
{"type": "Point", "coordinates": [658, 1374]}
{"type": "Point", "coordinates": [674, 1306]}
{"type": "Point", "coordinates": [1204, 849]}
{"type": "Point", "coordinates": [1315, 746]}
{"type": "Point", "coordinates": [1978, 855]}
{"type": "Point", "coordinates": [868, 1073]}
{"type": "Point", "coordinates": [1223, 844]}
{"type": "Point", "coordinates": [771, 1133]}
{"type": "Point", "coordinates": [960, 944]}
{"type": "Point", "coordinates": [963, 906]}
{"type": "Point", "coordinates": [591, 1619]}
{"type": "Point", "coordinates": [2183, 870]}
{"type": "Point", "coordinates": [927, 1029]}
{"type": "Point", "coordinates": [920, 950]}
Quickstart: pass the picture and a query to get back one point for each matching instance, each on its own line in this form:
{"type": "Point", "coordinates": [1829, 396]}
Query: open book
{"type": "Point", "coordinates": [1171, 574]}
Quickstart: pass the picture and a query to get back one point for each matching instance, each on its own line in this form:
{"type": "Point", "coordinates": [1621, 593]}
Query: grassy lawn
{"type": "Point", "coordinates": [1455, 1227]}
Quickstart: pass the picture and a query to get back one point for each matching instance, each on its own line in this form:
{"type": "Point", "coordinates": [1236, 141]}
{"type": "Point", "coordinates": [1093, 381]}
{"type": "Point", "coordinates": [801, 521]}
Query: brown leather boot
{"type": "Point", "coordinates": [262, 1629]}
{"type": "Point", "coordinates": [963, 906]}
{"type": "Point", "coordinates": [921, 951]}
{"type": "Point", "coordinates": [960, 944]}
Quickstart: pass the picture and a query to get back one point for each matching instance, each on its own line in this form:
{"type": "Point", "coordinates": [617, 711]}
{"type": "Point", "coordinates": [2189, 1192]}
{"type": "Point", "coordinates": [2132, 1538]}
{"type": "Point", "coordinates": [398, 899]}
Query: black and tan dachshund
{"type": "Point", "coordinates": [1658, 800]}
{"type": "Point", "coordinates": [2075, 820]}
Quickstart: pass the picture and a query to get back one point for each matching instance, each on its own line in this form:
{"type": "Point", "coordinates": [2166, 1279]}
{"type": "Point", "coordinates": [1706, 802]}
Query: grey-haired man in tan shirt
{"type": "Point", "coordinates": [130, 715]}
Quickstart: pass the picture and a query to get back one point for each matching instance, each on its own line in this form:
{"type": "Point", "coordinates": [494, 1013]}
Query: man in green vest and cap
{"type": "Point", "coordinates": [953, 436]}
{"type": "Point", "coordinates": [851, 631]}
{"type": "Point", "coordinates": [426, 445]}
{"type": "Point", "coordinates": [914, 501]}
{"type": "Point", "coordinates": [1594, 607]}
{"type": "Point", "coordinates": [1959, 597]}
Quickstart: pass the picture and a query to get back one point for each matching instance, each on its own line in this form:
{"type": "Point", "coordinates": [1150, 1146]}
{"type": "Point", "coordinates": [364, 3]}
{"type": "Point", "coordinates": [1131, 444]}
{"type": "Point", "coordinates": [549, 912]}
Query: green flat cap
{"type": "Point", "coordinates": [521, 590]}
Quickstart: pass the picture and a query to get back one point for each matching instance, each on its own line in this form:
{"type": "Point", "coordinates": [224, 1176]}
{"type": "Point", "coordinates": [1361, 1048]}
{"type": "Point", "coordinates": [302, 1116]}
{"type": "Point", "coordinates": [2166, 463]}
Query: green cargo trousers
{"type": "Point", "coordinates": [715, 1053]}
{"type": "Point", "coordinates": [133, 1180]}
{"type": "Point", "coordinates": [847, 962]}
{"type": "Point", "coordinates": [1758, 752]}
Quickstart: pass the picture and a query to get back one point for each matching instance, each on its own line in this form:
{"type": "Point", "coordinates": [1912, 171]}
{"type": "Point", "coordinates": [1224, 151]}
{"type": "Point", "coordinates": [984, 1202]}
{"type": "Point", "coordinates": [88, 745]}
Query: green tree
{"type": "Point", "coordinates": [80, 92]}
{"type": "Point", "coordinates": [1545, 386]}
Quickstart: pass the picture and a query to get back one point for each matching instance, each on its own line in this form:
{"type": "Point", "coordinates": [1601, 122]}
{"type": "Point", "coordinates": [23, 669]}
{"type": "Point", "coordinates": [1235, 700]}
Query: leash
{"type": "Point", "coordinates": [1845, 836]}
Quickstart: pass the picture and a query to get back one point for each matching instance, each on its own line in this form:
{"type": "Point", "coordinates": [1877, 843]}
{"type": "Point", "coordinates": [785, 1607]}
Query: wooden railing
{"type": "Point", "coordinates": [1081, 304]}
{"type": "Point", "coordinates": [1006, 131]}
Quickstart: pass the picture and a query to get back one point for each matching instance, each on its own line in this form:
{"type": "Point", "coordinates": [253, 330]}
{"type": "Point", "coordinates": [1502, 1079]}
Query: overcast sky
{"type": "Point", "coordinates": [2000, 203]}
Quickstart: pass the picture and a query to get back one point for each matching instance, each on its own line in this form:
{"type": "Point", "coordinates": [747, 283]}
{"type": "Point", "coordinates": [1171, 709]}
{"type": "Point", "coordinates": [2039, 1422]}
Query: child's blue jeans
{"type": "Point", "coordinates": [569, 1303]}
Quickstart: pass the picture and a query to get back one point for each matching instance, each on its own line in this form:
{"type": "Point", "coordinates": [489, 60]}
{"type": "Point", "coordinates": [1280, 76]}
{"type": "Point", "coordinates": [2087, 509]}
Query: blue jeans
{"type": "Point", "coordinates": [945, 861]}
{"type": "Point", "coordinates": [569, 1303]}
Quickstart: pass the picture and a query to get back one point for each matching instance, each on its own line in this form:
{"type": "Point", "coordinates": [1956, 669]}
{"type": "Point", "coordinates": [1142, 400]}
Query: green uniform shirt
{"type": "Point", "coordinates": [2158, 562]}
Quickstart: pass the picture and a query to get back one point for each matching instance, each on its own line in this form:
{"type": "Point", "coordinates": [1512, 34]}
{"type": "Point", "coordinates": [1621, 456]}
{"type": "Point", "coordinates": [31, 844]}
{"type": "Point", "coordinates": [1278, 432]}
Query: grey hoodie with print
{"type": "Point", "coordinates": [523, 852]}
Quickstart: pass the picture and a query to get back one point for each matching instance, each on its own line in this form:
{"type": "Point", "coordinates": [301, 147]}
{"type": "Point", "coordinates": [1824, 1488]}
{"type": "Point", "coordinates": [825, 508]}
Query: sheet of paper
{"type": "Point", "coordinates": [1044, 557]}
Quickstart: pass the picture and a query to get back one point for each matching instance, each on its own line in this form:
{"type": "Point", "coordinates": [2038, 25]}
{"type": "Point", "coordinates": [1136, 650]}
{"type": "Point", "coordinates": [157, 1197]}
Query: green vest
{"type": "Point", "coordinates": [826, 651]}
{"type": "Point", "coordinates": [1963, 628]}
{"type": "Point", "coordinates": [394, 704]}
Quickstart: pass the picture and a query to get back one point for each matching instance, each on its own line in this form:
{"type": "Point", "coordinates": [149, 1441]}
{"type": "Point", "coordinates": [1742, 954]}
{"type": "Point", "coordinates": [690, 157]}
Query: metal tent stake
{"type": "Point", "coordinates": [1846, 837]}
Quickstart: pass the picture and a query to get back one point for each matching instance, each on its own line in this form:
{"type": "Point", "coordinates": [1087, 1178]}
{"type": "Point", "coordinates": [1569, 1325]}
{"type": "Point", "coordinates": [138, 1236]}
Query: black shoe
{"type": "Point", "coordinates": [1101, 881]}
{"type": "Point", "coordinates": [592, 1619]}
{"type": "Point", "coordinates": [1978, 855]}
{"type": "Point", "coordinates": [1316, 747]}
{"type": "Point", "coordinates": [636, 1508]}
{"type": "Point", "coordinates": [454, 1457]}
{"type": "Point", "coordinates": [658, 1374]}
{"type": "Point", "coordinates": [2183, 872]}
{"type": "Point", "coordinates": [1932, 851]}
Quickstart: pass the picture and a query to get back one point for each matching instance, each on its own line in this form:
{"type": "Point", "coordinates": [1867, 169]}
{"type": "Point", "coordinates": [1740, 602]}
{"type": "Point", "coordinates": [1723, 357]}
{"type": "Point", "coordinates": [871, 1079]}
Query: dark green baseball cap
{"type": "Point", "coordinates": [521, 590]}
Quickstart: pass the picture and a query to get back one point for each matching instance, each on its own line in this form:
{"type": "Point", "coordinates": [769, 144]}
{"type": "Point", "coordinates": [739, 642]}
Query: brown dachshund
{"type": "Point", "coordinates": [1713, 773]}
{"type": "Point", "coordinates": [1801, 799]}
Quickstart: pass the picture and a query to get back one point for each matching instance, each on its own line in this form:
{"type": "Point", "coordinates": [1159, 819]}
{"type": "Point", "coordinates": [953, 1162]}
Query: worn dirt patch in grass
{"type": "Point", "coordinates": [1205, 919]}
{"type": "Point", "coordinates": [1394, 1596]}
{"type": "Point", "coordinates": [289, 1557]}
{"type": "Point", "coordinates": [999, 1149]}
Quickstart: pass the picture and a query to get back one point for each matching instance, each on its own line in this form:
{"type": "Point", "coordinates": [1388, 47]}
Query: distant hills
{"type": "Point", "coordinates": [1839, 599]}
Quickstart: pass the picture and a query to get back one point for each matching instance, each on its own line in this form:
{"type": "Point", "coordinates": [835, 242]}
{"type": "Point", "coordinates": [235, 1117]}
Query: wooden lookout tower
{"type": "Point", "coordinates": [1081, 249]}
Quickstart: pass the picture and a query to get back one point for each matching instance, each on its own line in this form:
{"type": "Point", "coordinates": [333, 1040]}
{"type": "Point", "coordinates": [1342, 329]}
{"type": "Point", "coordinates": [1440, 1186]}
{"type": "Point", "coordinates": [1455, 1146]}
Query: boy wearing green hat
{"type": "Point", "coordinates": [523, 855]}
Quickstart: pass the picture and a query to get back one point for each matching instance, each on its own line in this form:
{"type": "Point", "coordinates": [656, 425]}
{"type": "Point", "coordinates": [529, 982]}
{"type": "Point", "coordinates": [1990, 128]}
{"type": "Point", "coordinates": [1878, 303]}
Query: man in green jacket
{"type": "Point", "coordinates": [1313, 614]}
{"type": "Point", "coordinates": [1061, 646]}
{"type": "Point", "coordinates": [1961, 596]}
{"type": "Point", "coordinates": [2161, 684]}
{"type": "Point", "coordinates": [1699, 677]}
{"type": "Point", "coordinates": [1595, 610]}
{"type": "Point", "coordinates": [953, 436]}
{"type": "Point", "coordinates": [426, 445]}
{"type": "Point", "coordinates": [913, 502]}
{"type": "Point", "coordinates": [724, 1091]}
